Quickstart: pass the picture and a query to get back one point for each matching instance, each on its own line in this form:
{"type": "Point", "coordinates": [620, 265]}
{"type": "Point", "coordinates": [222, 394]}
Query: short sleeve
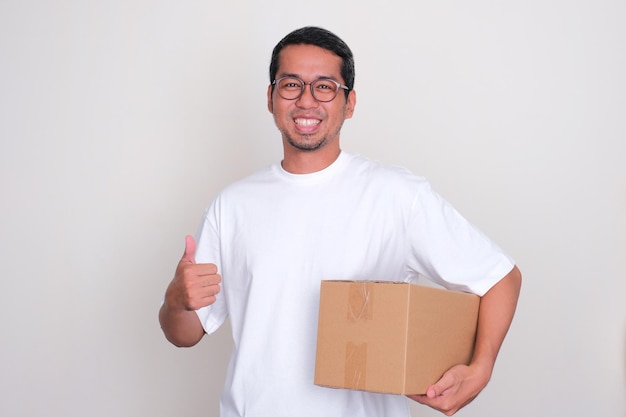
{"type": "Point", "coordinates": [208, 251]}
{"type": "Point", "coordinates": [450, 251]}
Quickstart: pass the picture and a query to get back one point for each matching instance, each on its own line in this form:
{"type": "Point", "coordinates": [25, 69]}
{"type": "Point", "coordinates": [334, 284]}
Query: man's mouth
{"type": "Point", "coordinates": [306, 122]}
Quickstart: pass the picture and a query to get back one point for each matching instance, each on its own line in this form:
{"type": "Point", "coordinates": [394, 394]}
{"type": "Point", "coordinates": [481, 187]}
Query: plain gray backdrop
{"type": "Point", "coordinates": [120, 120]}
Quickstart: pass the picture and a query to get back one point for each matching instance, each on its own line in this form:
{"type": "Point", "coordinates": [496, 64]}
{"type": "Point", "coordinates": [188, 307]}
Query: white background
{"type": "Point", "coordinates": [120, 120]}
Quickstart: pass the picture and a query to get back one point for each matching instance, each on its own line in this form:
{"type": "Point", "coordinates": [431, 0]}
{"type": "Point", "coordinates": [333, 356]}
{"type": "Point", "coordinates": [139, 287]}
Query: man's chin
{"type": "Point", "coordinates": [306, 146]}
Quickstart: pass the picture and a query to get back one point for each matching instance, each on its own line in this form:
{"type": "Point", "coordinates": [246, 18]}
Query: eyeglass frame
{"type": "Point", "coordinates": [310, 83]}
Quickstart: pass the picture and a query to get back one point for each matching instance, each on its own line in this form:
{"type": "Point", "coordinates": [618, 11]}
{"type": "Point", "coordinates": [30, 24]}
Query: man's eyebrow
{"type": "Point", "coordinates": [284, 74]}
{"type": "Point", "coordinates": [320, 77]}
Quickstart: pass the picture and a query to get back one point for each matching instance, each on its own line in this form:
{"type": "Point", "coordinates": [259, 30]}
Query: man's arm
{"type": "Point", "coordinates": [181, 327]}
{"type": "Point", "coordinates": [194, 286]}
{"type": "Point", "coordinates": [461, 384]}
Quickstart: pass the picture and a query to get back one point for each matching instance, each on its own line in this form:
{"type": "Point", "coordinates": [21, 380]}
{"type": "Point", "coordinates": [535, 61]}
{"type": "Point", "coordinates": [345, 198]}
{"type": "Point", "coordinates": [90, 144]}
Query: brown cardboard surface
{"type": "Point", "coordinates": [391, 337]}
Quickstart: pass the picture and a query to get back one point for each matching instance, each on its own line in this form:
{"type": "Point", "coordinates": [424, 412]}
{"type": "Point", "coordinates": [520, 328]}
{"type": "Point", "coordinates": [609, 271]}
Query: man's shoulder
{"type": "Point", "coordinates": [384, 173]}
{"type": "Point", "coordinates": [260, 175]}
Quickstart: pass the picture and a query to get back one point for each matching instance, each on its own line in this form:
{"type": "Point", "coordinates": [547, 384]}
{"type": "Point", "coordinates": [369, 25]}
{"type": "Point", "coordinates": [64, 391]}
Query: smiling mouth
{"type": "Point", "coordinates": [306, 122]}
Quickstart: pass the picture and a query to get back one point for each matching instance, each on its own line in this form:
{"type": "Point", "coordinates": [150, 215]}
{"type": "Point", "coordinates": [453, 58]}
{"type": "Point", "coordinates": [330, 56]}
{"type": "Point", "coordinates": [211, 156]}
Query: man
{"type": "Point", "coordinates": [323, 213]}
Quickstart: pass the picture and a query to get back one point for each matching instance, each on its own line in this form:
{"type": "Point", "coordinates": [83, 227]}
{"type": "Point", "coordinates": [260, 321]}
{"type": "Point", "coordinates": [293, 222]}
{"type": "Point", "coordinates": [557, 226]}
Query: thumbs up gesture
{"type": "Point", "coordinates": [194, 285]}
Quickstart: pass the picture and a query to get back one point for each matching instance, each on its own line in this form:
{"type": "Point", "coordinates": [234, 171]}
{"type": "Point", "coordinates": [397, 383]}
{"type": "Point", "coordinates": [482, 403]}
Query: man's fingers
{"type": "Point", "coordinates": [446, 382]}
{"type": "Point", "coordinates": [202, 270]}
{"type": "Point", "coordinates": [211, 280]}
{"type": "Point", "coordinates": [204, 292]}
{"type": "Point", "coordinates": [189, 255]}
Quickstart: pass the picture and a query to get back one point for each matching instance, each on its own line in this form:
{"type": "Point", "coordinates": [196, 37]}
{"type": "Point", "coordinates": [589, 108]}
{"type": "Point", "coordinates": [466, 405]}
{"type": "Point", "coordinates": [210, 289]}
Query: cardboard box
{"type": "Point", "coordinates": [391, 337]}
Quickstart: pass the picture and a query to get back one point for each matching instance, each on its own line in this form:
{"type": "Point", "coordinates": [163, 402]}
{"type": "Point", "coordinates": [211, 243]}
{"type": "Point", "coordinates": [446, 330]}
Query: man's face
{"type": "Point", "coordinates": [305, 123]}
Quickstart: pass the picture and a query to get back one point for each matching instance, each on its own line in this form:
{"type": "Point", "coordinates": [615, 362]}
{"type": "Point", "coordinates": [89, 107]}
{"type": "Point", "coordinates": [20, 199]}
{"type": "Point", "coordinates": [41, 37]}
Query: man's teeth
{"type": "Point", "coordinates": [307, 122]}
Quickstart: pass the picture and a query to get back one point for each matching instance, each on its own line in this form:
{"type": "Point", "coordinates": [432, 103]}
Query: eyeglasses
{"type": "Point", "coordinates": [323, 89]}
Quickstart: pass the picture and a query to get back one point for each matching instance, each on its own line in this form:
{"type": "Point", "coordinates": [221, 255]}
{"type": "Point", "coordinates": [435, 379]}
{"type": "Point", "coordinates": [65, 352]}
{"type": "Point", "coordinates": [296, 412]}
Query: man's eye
{"type": "Point", "coordinates": [291, 84]}
{"type": "Point", "coordinates": [325, 86]}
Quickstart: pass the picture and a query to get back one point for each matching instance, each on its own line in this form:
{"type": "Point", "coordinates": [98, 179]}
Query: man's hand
{"type": "Point", "coordinates": [461, 384]}
{"type": "Point", "coordinates": [456, 388]}
{"type": "Point", "coordinates": [194, 285]}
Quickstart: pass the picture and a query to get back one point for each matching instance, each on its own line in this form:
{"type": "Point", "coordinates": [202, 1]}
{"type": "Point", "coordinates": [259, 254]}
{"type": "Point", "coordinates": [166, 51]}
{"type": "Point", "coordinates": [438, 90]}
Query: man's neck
{"type": "Point", "coordinates": [307, 162]}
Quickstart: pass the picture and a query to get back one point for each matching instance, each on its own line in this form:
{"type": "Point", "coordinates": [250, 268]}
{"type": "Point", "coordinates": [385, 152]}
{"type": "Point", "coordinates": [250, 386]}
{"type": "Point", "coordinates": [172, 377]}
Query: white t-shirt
{"type": "Point", "coordinates": [274, 236]}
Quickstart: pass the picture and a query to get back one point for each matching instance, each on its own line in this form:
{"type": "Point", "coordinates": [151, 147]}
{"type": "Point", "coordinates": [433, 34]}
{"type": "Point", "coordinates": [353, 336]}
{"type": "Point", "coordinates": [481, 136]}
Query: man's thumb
{"type": "Point", "coordinates": [190, 250]}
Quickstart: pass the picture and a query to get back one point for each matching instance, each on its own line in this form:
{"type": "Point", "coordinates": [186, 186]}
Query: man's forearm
{"type": "Point", "coordinates": [497, 308]}
{"type": "Point", "coordinates": [181, 327]}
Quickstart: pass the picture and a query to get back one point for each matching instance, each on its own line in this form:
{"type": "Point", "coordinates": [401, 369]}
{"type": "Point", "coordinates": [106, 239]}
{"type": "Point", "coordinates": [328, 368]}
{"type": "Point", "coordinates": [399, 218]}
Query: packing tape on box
{"type": "Point", "coordinates": [356, 361]}
{"type": "Point", "coordinates": [361, 301]}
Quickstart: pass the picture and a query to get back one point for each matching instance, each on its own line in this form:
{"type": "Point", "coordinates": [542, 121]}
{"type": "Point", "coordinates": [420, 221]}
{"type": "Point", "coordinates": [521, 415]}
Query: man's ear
{"type": "Point", "coordinates": [270, 103]}
{"type": "Point", "coordinates": [350, 104]}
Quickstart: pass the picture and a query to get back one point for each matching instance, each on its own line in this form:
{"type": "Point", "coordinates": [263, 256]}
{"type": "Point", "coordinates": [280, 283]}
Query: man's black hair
{"type": "Point", "coordinates": [312, 35]}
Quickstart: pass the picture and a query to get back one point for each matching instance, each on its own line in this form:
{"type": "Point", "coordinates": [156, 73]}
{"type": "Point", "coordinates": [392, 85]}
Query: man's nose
{"type": "Point", "coordinates": [306, 99]}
